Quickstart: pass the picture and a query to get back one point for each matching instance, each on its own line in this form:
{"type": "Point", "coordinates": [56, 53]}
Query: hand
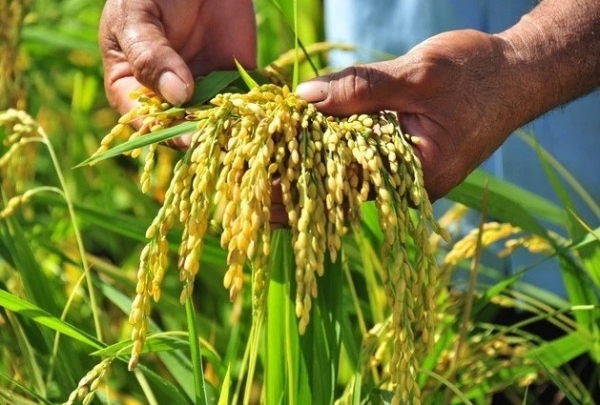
{"type": "Point", "coordinates": [454, 91]}
{"type": "Point", "coordinates": [164, 44]}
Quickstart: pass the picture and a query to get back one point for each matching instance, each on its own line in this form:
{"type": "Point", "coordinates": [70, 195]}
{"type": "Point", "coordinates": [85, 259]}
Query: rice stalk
{"type": "Point", "coordinates": [327, 168]}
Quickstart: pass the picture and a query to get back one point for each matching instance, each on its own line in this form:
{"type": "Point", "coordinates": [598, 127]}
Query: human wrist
{"type": "Point", "coordinates": [553, 54]}
{"type": "Point", "coordinates": [527, 81]}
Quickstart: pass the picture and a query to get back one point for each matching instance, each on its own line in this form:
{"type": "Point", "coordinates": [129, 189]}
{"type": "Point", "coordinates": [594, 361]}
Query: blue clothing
{"type": "Point", "coordinates": [570, 133]}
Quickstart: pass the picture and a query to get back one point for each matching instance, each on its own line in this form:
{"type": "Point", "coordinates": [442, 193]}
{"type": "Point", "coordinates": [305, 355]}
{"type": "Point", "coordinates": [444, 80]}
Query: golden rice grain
{"type": "Point", "coordinates": [327, 168]}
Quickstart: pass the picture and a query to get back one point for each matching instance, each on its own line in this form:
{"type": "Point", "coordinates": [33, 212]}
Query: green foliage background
{"type": "Point", "coordinates": [68, 261]}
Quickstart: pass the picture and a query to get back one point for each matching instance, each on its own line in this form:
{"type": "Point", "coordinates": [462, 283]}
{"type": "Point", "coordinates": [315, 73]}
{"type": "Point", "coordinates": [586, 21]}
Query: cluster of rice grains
{"type": "Point", "coordinates": [326, 168]}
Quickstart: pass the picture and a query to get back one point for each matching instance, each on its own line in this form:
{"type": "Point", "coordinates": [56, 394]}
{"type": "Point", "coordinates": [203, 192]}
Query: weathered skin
{"type": "Point", "coordinates": [462, 92]}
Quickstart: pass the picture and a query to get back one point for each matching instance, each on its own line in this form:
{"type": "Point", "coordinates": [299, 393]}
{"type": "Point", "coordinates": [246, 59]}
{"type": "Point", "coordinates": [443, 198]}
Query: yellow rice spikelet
{"type": "Point", "coordinates": [327, 167]}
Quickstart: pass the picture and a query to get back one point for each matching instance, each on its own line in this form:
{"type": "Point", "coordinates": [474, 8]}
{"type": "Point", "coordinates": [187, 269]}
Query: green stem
{"type": "Point", "coordinates": [148, 394]}
{"type": "Point", "coordinates": [289, 355]}
{"type": "Point", "coordinates": [282, 362]}
{"type": "Point", "coordinates": [78, 238]}
{"type": "Point", "coordinates": [465, 321]}
{"type": "Point", "coordinates": [80, 246]}
{"type": "Point", "coordinates": [199, 389]}
{"type": "Point", "coordinates": [254, 344]}
{"type": "Point", "coordinates": [362, 325]}
{"type": "Point", "coordinates": [242, 374]}
{"type": "Point", "coordinates": [296, 73]}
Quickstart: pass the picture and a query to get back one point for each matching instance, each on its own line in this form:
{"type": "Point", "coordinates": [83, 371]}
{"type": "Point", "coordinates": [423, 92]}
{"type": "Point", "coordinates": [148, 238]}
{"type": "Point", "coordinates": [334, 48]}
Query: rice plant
{"type": "Point", "coordinates": [71, 240]}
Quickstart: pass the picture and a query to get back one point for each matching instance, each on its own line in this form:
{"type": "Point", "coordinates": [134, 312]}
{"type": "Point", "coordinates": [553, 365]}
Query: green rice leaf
{"type": "Point", "coordinates": [560, 351]}
{"type": "Point", "coordinates": [155, 137]}
{"type": "Point", "coordinates": [321, 343]}
{"type": "Point", "coordinates": [16, 249]}
{"type": "Point", "coordinates": [30, 393]}
{"type": "Point", "coordinates": [179, 367]}
{"type": "Point", "coordinates": [296, 72]}
{"type": "Point", "coordinates": [562, 171]}
{"type": "Point", "coordinates": [448, 384]}
{"type": "Point", "coordinates": [557, 379]}
{"type": "Point", "coordinates": [579, 293]}
{"type": "Point", "coordinates": [507, 202]}
{"type": "Point", "coordinates": [279, 340]}
{"type": "Point", "coordinates": [212, 84]}
{"type": "Point", "coordinates": [31, 311]}
{"type": "Point", "coordinates": [286, 379]}
{"type": "Point", "coordinates": [302, 24]}
{"type": "Point", "coordinates": [165, 387]}
{"type": "Point", "coordinates": [155, 343]}
{"type": "Point", "coordinates": [224, 396]}
{"type": "Point", "coordinates": [250, 82]}
{"type": "Point", "coordinates": [593, 236]}
{"type": "Point", "coordinates": [301, 369]}
{"type": "Point", "coordinates": [199, 385]}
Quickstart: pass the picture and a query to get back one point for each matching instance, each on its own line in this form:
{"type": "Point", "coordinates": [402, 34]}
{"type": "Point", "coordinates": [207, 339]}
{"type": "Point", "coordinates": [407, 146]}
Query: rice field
{"type": "Point", "coordinates": [110, 295]}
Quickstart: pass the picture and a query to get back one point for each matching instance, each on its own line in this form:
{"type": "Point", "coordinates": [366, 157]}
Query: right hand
{"type": "Point", "coordinates": [456, 92]}
{"type": "Point", "coordinates": [164, 44]}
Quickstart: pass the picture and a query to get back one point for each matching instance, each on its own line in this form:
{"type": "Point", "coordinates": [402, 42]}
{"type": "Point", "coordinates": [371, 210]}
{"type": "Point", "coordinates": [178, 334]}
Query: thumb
{"type": "Point", "coordinates": [139, 51]}
{"type": "Point", "coordinates": [156, 64]}
{"type": "Point", "coordinates": [358, 89]}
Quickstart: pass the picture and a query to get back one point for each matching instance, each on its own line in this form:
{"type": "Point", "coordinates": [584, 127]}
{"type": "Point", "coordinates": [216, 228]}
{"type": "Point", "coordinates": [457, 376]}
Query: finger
{"type": "Point", "coordinates": [135, 45]}
{"type": "Point", "coordinates": [432, 151]}
{"type": "Point", "coordinates": [154, 62]}
{"type": "Point", "coordinates": [357, 89]}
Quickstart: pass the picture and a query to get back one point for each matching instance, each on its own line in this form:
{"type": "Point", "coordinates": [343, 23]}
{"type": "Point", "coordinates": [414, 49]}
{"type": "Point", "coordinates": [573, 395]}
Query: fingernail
{"type": "Point", "coordinates": [313, 91]}
{"type": "Point", "coordinates": [172, 88]}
